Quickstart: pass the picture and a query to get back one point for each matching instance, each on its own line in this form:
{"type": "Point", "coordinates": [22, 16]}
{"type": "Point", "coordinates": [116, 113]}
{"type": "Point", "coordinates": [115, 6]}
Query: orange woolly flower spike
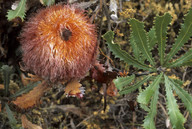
{"type": "Point", "coordinates": [59, 43]}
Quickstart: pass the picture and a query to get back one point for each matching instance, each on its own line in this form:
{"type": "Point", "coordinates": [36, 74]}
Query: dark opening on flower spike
{"type": "Point", "coordinates": [59, 43]}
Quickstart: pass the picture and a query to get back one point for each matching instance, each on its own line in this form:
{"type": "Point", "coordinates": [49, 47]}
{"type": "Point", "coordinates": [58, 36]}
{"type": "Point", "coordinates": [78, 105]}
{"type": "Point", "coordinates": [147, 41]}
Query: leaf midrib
{"type": "Point", "coordinates": [179, 42]}
{"type": "Point", "coordinates": [143, 45]}
{"type": "Point", "coordinates": [136, 62]}
{"type": "Point", "coordinates": [22, 3]}
{"type": "Point", "coordinates": [182, 94]}
{"type": "Point", "coordinates": [177, 62]}
{"type": "Point", "coordinates": [161, 52]}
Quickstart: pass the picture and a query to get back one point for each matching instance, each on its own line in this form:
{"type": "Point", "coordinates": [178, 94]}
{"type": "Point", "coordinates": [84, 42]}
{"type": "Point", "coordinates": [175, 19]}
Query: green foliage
{"type": "Point", "coordinates": [180, 62]}
{"type": "Point", "coordinates": [48, 2]}
{"type": "Point", "coordinates": [184, 35]}
{"type": "Point", "coordinates": [141, 39]}
{"type": "Point", "coordinates": [123, 81]}
{"type": "Point", "coordinates": [149, 122]}
{"type": "Point", "coordinates": [142, 43]}
{"type": "Point", "coordinates": [185, 97]}
{"type": "Point", "coordinates": [12, 120]}
{"type": "Point", "coordinates": [145, 96]}
{"type": "Point", "coordinates": [136, 51]}
{"type": "Point", "coordinates": [18, 12]}
{"type": "Point", "coordinates": [161, 23]}
{"type": "Point", "coordinates": [152, 38]}
{"type": "Point", "coordinates": [123, 55]}
{"type": "Point", "coordinates": [7, 70]}
{"type": "Point", "coordinates": [26, 89]}
{"type": "Point", "coordinates": [187, 63]}
{"type": "Point", "coordinates": [176, 118]}
{"type": "Point", "coordinates": [132, 88]}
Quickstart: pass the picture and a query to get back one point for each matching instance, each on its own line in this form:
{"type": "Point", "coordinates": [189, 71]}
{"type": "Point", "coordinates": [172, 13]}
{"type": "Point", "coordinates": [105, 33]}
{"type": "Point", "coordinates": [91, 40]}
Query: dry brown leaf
{"type": "Point", "coordinates": [31, 78]}
{"type": "Point", "coordinates": [32, 98]}
{"type": "Point", "coordinates": [74, 89]}
{"type": "Point", "coordinates": [1, 86]}
{"type": "Point", "coordinates": [111, 89]}
{"type": "Point", "coordinates": [24, 80]}
{"type": "Point", "coordinates": [26, 124]}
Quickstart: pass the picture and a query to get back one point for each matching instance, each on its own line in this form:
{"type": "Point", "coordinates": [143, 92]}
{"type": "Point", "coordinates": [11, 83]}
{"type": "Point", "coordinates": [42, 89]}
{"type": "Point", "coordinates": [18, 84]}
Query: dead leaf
{"type": "Point", "coordinates": [1, 86]}
{"type": "Point", "coordinates": [24, 80]}
{"type": "Point", "coordinates": [74, 89]}
{"type": "Point", "coordinates": [111, 89]}
{"type": "Point", "coordinates": [99, 73]}
{"type": "Point", "coordinates": [26, 124]}
{"type": "Point", "coordinates": [31, 78]}
{"type": "Point", "coordinates": [32, 98]}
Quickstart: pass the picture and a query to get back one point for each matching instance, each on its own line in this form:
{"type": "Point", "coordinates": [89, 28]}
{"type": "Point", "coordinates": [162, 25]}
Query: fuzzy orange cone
{"type": "Point", "coordinates": [59, 43]}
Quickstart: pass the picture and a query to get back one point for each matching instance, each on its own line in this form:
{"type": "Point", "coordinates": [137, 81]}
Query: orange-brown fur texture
{"type": "Point", "coordinates": [55, 57]}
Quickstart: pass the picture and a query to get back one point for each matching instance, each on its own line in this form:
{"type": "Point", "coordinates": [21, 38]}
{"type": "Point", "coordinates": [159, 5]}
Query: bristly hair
{"type": "Point", "coordinates": [59, 43]}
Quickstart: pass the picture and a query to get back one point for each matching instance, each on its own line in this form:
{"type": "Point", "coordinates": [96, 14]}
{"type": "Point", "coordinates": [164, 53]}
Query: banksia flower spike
{"type": "Point", "coordinates": [59, 43]}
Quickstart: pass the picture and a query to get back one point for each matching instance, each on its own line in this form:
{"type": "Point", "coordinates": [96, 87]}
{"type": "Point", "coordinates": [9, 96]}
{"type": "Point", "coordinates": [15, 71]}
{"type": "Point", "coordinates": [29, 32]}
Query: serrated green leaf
{"type": "Point", "coordinates": [144, 107]}
{"type": "Point", "coordinates": [152, 38]}
{"type": "Point", "coordinates": [161, 26]}
{"type": "Point", "coordinates": [140, 38]}
{"type": "Point", "coordinates": [176, 118]}
{"type": "Point", "coordinates": [121, 82]}
{"type": "Point", "coordinates": [122, 55]}
{"type": "Point", "coordinates": [179, 62]}
{"type": "Point", "coordinates": [136, 51]}
{"type": "Point", "coordinates": [185, 97]}
{"type": "Point", "coordinates": [18, 12]}
{"type": "Point", "coordinates": [26, 89]}
{"type": "Point", "coordinates": [12, 120]}
{"type": "Point", "coordinates": [7, 71]}
{"type": "Point", "coordinates": [187, 63]}
{"type": "Point", "coordinates": [149, 122]}
{"type": "Point", "coordinates": [145, 96]}
{"type": "Point", "coordinates": [134, 87]}
{"type": "Point", "coordinates": [184, 35]}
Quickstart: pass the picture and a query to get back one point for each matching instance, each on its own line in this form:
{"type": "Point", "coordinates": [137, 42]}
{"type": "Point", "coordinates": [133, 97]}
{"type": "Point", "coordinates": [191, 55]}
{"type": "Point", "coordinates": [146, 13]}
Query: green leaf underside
{"type": "Point", "coordinates": [185, 97]}
{"type": "Point", "coordinates": [184, 35]}
{"type": "Point", "coordinates": [161, 26]}
{"type": "Point", "coordinates": [116, 50]}
{"type": "Point", "coordinates": [12, 120]}
{"type": "Point", "coordinates": [152, 38]}
{"type": "Point", "coordinates": [145, 96]}
{"type": "Point", "coordinates": [134, 87]}
{"type": "Point", "coordinates": [140, 38]}
{"type": "Point", "coordinates": [179, 62]}
{"type": "Point", "coordinates": [176, 118]}
{"type": "Point", "coordinates": [18, 12]}
{"type": "Point", "coordinates": [149, 122]}
{"type": "Point", "coordinates": [26, 89]}
{"type": "Point", "coordinates": [136, 51]}
{"type": "Point", "coordinates": [121, 82]}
